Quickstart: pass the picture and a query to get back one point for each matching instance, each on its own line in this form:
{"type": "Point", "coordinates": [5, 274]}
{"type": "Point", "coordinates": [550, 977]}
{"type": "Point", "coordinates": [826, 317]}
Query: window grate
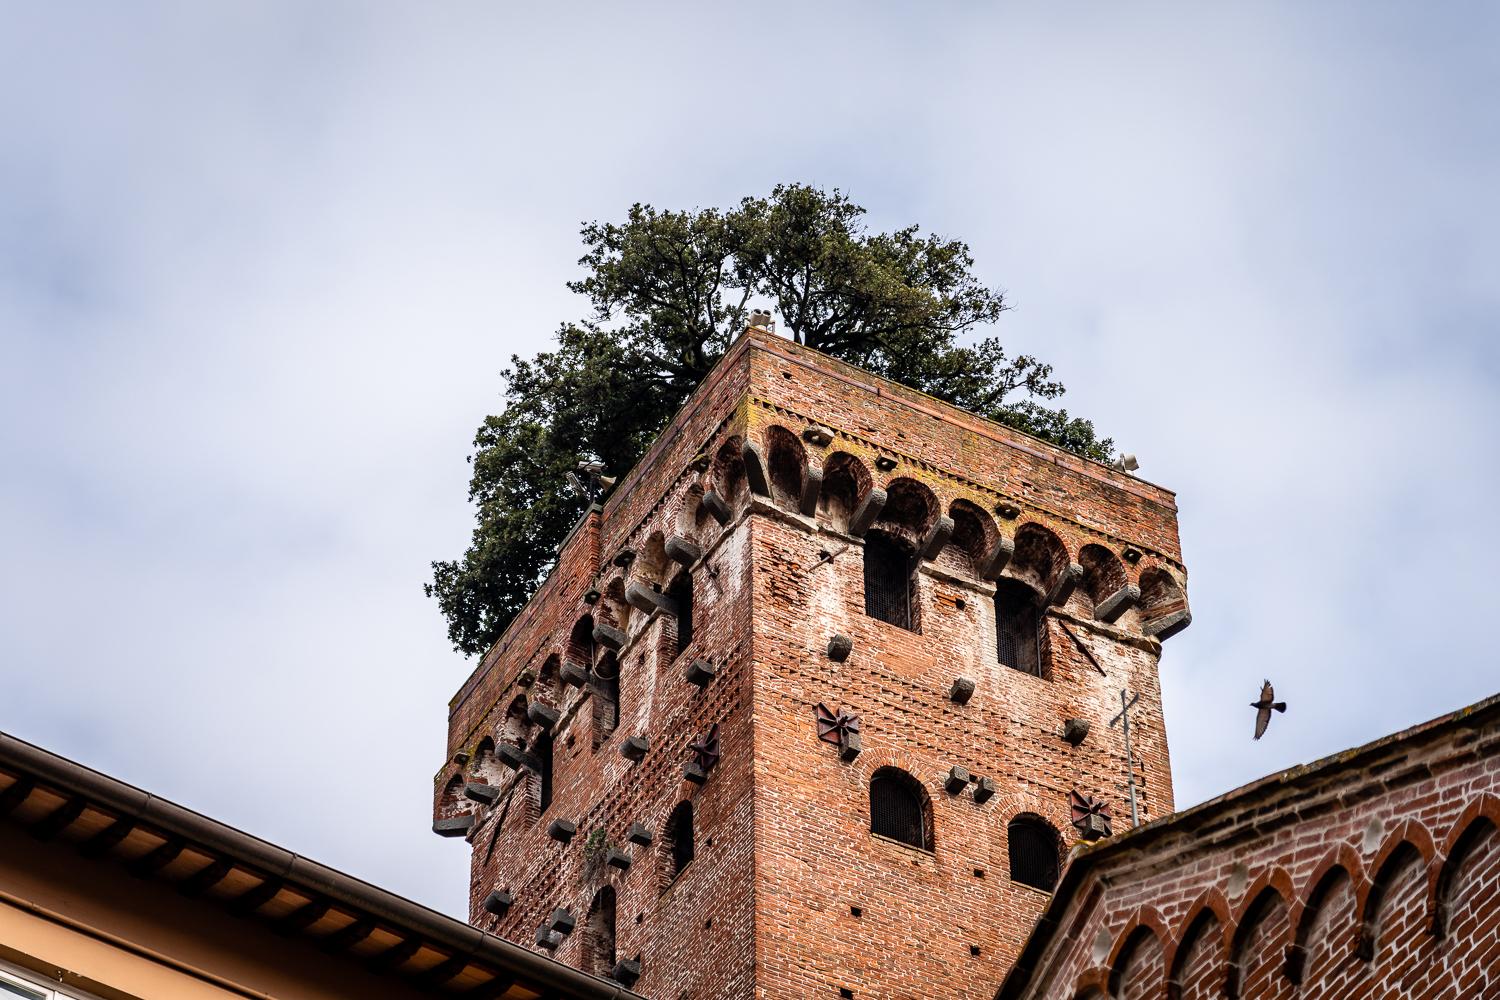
{"type": "Point", "coordinates": [1033, 853]}
{"type": "Point", "coordinates": [888, 570]}
{"type": "Point", "coordinates": [896, 808]}
{"type": "Point", "coordinates": [1018, 626]}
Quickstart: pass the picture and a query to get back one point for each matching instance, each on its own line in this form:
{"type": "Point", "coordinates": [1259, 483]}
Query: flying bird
{"type": "Point", "coordinates": [1264, 706]}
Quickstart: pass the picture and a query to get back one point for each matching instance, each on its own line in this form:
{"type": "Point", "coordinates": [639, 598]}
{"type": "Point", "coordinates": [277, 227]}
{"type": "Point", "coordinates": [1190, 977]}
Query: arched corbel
{"type": "Point", "coordinates": [646, 599]}
{"type": "Point", "coordinates": [683, 550]}
{"type": "Point", "coordinates": [608, 636]}
{"type": "Point", "coordinates": [868, 510]}
{"type": "Point", "coordinates": [937, 537]}
{"type": "Point", "coordinates": [716, 507]}
{"type": "Point", "coordinates": [517, 759]}
{"type": "Point", "coordinates": [1112, 607]}
{"type": "Point", "coordinates": [1067, 580]}
{"type": "Point", "coordinates": [543, 715]}
{"type": "Point", "coordinates": [997, 558]}
{"type": "Point", "coordinates": [812, 485]}
{"type": "Point", "coordinates": [1167, 626]}
{"type": "Point", "coordinates": [478, 791]}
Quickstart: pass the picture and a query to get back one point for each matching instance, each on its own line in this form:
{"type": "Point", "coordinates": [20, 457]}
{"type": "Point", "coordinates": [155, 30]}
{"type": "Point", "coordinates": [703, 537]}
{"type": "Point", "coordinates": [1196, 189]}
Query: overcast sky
{"type": "Point", "coordinates": [260, 266]}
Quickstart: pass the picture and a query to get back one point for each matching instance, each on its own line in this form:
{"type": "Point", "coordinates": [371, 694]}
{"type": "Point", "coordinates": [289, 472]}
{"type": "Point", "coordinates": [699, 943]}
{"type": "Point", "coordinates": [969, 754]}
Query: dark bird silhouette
{"type": "Point", "coordinates": [1264, 706]}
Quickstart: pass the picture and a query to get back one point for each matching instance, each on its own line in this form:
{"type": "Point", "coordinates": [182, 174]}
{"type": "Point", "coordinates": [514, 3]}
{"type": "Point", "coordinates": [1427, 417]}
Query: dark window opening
{"type": "Point", "coordinates": [543, 751]}
{"type": "Point", "coordinates": [1033, 852]}
{"type": "Point", "coordinates": [888, 581]}
{"type": "Point", "coordinates": [681, 594]}
{"type": "Point", "coordinates": [678, 845]}
{"type": "Point", "coordinates": [898, 808]}
{"type": "Point", "coordinates": [1018, 627]}
{"type": "Point", "coordinates": [606, 688]}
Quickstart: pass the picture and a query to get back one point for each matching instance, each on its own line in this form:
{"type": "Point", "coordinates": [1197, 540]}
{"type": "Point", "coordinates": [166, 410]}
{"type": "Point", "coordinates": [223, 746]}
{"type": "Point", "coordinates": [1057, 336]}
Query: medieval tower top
{"type": "Point", "coordinates": [816, 703]}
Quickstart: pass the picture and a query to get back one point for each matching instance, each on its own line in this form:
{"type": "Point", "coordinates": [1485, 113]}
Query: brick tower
{"type": "Point", "coordinates": [818, 700]}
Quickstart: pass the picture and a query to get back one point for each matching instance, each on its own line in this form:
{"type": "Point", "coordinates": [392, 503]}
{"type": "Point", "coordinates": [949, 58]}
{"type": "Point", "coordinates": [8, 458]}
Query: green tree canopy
{"type": "Point", "coordinates": [668, 292]}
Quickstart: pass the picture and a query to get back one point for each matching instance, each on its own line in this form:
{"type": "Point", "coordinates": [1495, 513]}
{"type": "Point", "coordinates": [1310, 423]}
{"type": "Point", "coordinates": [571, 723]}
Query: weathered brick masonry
{"type": "Point", "coordinates": [1372, 874]}
{"type": "Point", "coordinates": [1014, 587]}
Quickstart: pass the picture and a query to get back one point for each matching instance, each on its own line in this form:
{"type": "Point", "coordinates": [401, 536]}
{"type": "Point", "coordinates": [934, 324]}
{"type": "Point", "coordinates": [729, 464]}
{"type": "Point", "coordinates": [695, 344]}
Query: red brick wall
{"type": "Point", "coordinates": [1372, 875]}
{"type": "Point", "coordinates": [784, 848]}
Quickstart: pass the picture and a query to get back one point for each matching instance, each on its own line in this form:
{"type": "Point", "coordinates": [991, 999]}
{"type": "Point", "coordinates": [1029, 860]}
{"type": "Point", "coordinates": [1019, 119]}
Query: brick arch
{"type": "Point", "coordinates": [846, 481]}
{"type": "Point", "coordinates": [1342, 855]}
{"type": "Point", "coordinates": [865, 766]}
{"type": "Point", "coordinates": [649, 567]}
{"type": "Point", "coordinates": [1162, 594]}
{"type": "Point", "coordinates": [1410, 836]}
{"type": "Point", "coordinates": [1274, 878]}
{"type": "Point", "coordinates": [450, 800]}
{"type": "Point", "coordinates": [482, 763]}
{"type": "Point", "coordinates": [1272, 888]}
{"type": "Point", "coordinates": [869, 762]}
{"type": "Point", "coordinates": [611, 609]}
{"type": "Point", "coordinates": [547, 687]}
{"type": "Point", "coordinates": [514, 726]}
{"type": "Point", "coordinates": [1341, 859]}
{"type": "Point", "coordinates": [1040, 557]}
{"type": "Point", "coordinates": [684, 514]}
{"type": "Point", "coordinates": [1103, 573]}
{"type": "Point", "coordinates": [1209, 914]}
{"type": "Point", "coordinates": [1341, 871]}
{"type": "Point", "coordinates": [1410, 832]}
{"type": "Point", "coordinates": [786, 461]}
{"type": "Point", "coordinates": [910, 508]}
{"type": "Point", "coordinates": [580, 644]}
{"type": "Point", "coordinates": [727, 473]}
{"type": "Point", "coordinates": [1144, 925]}
{"type": "Point", "coordinates": [1057, 812]}
{"type": "Point", "coordinates": [1482, 814]}
{"type": "Point", "coordinates": [974, 535]}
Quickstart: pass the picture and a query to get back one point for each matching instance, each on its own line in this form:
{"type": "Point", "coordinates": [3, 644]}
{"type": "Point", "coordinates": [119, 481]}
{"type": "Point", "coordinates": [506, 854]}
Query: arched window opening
{"type": "Point", "coordinates": [845, 481]}
{"type": "Point", "coordinates": [513, 729]}
{"type": "Point", "coordinates": [581, 642]}
{"type": "Point", "coordinates": [1018, 627]}
{"type": "Point", "coordinates": [483, 764]}
{"type": "Point", "coordinates": [1033, 852]}
{"type": "Point", "coordinates": [542, 749]}
{"type": "Point", "coordinates": [898, 808]}
{"type": "Point", "coordinates": [546, 688]}
{"type": "Point", "coordinates": [606, 687]}
{"type": "Point", "coordinates": [677, 843]}
{"type": "Point", "coordinates": [681, 595]}
{"type": "Point", "coordinates": [599, 933]}
{"type": "Point", "coordinates": [888, 580]}
{"type": "Point", "coordinates": [786, 459]}
{"type": "Point", "coordinates": [453, 796]}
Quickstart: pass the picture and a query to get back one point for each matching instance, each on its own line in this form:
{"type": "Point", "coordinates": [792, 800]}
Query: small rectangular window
{"type": "Point", "coordinates": [1018, 626]}
{"type": "Point", "coordinates": [888, 581]}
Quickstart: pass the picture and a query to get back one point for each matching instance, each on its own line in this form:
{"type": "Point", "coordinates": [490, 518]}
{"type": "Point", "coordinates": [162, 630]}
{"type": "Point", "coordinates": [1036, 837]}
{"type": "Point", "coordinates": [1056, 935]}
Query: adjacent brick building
{"type": "Point", "coordinates": [806, 708]}
{"type": "Point", "coordinates": [1372, 874]}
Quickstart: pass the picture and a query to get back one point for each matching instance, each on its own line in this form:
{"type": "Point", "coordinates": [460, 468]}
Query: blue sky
{"type": "Point", "coordinates": [260, 265]}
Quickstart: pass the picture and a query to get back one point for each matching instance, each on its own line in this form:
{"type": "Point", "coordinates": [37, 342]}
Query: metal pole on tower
{"type": "Point", "coordinates": [1126, 704]}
